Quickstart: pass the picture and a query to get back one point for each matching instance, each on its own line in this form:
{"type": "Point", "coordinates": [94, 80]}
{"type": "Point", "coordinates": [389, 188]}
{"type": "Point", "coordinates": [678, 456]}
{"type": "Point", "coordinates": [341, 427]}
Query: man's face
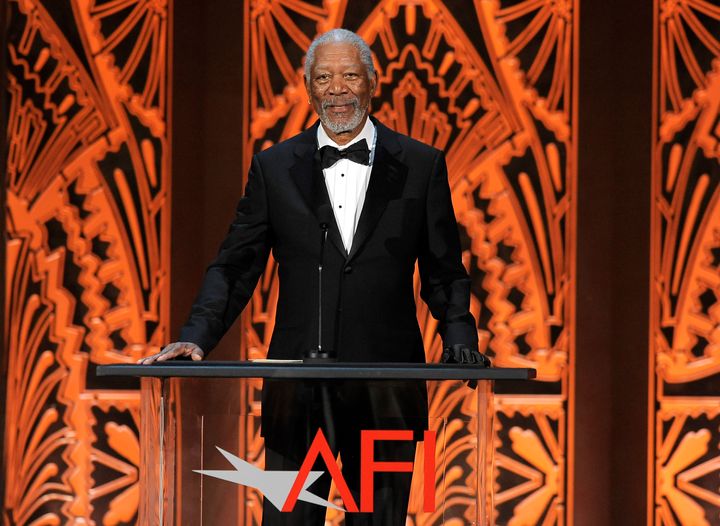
{"type": "Point", "coordinates": [340, 90]}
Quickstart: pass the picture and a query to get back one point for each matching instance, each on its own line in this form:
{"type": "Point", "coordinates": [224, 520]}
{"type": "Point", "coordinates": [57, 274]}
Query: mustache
{"type": "Point", "coordinates": [329, 103]}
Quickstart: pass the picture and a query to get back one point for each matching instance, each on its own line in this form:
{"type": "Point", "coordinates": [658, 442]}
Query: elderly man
{"type": "Point", "coordinates": [391, 208]}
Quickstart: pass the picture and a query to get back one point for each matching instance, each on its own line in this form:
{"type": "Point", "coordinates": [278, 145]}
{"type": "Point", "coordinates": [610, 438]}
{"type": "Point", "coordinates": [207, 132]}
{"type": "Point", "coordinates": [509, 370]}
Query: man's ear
{"type": "Point", "coordinates": [373, 83]}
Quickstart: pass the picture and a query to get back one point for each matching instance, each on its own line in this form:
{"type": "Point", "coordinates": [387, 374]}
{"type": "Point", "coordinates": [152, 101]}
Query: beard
{"type": "Point", "coordinates": [343, 124]}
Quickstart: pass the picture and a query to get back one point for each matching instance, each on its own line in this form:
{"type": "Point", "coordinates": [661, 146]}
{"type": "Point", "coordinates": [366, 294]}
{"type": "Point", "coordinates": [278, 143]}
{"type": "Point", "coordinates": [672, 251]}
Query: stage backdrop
{"type": "Point", "coordinates": [86, 117]}
{"type": "Point", "coordinates": [684, 410]}
{"type": "Point", "coordinates": [493, 86]}
{"type": "Point", "coordinates": [87, 229]}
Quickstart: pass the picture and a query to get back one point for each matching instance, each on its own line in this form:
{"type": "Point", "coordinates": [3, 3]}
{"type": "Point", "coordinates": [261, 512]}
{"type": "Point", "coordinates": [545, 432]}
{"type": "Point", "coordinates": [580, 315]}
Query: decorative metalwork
{"type": "Point", "coordinates": [88, 226]}
{"type": "Point", "coordinates": [493, 88]}
{"type": "Point", "coordinates": [87, 233]}
{"type": "Point", "coordinates": [685, 265]}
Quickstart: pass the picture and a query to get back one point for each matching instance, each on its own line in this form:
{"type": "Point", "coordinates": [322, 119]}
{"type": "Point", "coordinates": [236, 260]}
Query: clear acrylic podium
{"type": "Point", "coordinates": [203, 450]}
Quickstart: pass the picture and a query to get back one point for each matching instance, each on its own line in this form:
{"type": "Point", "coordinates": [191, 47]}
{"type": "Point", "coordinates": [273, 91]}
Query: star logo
{"type": "Point", "coordinates": [274, 485]}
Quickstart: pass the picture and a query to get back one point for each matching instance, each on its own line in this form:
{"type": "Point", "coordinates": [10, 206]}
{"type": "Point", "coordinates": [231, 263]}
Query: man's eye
{"type": "Point", "coordinates": [323, 78]}
{"type": "Point", "coordinates": [351, 75]}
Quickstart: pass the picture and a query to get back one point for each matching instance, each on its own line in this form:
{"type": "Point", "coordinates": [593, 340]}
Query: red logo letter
{"type": "Point", "coordinates": [368, 465]}
{"type": "Point", "coordinates": [320, 446]}
{"type": "Point", "coordinates": [429, 474]}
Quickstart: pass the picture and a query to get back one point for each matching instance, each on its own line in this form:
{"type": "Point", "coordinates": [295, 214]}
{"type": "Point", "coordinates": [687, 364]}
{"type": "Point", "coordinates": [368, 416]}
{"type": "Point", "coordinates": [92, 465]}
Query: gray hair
{"type": "Point", "coordinates": [340, 36]}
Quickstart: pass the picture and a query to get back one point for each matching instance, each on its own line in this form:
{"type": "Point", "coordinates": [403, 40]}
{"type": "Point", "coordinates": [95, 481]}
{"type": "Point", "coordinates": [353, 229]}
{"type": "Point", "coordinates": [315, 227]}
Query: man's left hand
{"type": "Point", "coordinates": [463, 354]}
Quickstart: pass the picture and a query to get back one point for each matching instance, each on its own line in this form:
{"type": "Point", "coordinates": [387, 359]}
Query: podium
{"type": "Point", "coordinates": [203, 447]}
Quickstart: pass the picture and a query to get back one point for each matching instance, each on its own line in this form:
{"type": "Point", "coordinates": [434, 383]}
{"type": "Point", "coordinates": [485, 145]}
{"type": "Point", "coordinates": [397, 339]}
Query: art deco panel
{"type": "Point", "coordinates": [685, 267]}
{"type": "Point", "coordinates": [493, 84]}
{"type": "Point", "coordinates": [87, 245]}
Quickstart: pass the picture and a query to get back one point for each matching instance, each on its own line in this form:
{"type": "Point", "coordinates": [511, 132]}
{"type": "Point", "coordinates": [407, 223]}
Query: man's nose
{"type": "Point", "coordinates": [337, 85]}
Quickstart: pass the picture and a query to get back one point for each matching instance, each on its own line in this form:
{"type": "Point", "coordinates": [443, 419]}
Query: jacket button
{"type": "Point", "coordinates": [348, 269]}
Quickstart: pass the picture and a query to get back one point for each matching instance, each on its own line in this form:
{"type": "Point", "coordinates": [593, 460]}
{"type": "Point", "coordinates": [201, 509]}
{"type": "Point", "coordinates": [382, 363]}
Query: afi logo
{"type": "Point", "coordinates": [284, 488]}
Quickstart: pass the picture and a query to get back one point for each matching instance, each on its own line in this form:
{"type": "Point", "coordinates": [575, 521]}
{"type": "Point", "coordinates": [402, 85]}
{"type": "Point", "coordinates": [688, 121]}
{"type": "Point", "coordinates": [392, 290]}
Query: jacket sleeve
{"type": "Point", "coordinates": [231, 278]}
{"type": "Point", "coordinates": [445, 284]}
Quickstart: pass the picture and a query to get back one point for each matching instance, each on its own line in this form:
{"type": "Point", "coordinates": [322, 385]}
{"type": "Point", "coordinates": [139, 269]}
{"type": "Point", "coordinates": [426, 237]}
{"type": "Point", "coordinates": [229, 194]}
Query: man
{"type": "Point", "coordinates": [391, 208]}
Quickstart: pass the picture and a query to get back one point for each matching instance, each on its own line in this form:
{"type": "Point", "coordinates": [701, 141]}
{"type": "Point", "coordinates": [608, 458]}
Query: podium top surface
{"type": "Point", "coordinates": [316, 371]}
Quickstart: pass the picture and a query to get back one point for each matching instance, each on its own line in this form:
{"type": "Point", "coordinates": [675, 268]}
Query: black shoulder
{"type": "Point", "coordinates": [415, 147]}
{"type": "Point", "coordinates": [411, 149]}
{"type": "Point", "coordinates": [286, 148]}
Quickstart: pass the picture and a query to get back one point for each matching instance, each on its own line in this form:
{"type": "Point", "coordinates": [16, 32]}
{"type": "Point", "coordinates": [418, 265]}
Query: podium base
{"type": "Point", "coordinates": [316, 356]}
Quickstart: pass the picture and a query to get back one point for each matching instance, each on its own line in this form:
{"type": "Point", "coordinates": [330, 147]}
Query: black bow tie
{"type": "Point", "coordinates": [357, 152]}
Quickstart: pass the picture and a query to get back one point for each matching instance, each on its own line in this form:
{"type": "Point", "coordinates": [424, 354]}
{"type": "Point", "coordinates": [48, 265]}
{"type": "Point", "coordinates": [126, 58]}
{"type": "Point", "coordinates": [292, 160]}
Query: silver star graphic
{"type": "Point", "coordinates": [275, 485]}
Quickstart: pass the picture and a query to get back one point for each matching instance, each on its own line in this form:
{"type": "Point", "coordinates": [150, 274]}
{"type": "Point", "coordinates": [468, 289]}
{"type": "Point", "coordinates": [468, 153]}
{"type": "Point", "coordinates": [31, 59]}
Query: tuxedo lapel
{"type": "Point", "coordinates": [307, 175]}
{"type": "Point", "coordinates": [387, 180]}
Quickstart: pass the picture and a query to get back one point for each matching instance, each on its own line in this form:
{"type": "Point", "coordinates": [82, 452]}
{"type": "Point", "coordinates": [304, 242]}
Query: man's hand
{"type": "Point", "coordinates": [460, 353]}
{"type": "Point", "coordinates": [463, 354]}
{"type": "Point", "coordinates": [175, 350]}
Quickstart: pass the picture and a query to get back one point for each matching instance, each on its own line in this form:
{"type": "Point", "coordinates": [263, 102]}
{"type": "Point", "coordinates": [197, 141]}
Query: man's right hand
{"type": "Point", "coordinates": [175, 350]}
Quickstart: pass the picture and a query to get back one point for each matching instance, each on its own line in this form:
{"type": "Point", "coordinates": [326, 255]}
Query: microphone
{"type": "Point", "coordinates": [325, 216]}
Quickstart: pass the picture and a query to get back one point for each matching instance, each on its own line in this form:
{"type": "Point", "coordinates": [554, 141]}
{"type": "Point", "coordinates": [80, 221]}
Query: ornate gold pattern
{"type": "Point", "coordinates": [495, 90]}
{"type": "Point", "coordinates": [87, 250]}
{"type": "Point", "coordinates": [685, 266]}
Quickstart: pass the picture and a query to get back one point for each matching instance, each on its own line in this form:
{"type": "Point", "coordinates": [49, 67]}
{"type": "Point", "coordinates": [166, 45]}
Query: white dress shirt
{"type": "Point", "coordinates": [347, 182]}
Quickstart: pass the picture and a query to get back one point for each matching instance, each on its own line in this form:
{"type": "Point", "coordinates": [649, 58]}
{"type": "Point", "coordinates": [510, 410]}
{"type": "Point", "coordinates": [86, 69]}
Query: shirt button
{"type": "Point", "coordinates": [342, 175]}
{"type": "Point", "coordinates": [340, 206]}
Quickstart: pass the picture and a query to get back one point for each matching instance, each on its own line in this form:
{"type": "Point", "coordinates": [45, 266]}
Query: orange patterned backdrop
{"type": "Point", "coordinates": [87, 250]}
{"type": "Point", "coordinates": [493, 83]}
{"type": "Point", "coordinates": [685, 266]}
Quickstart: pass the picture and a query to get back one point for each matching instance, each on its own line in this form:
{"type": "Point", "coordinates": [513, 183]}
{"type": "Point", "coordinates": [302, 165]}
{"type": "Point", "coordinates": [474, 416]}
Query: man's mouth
{"type": "Point", "coordinates": [340, 108]}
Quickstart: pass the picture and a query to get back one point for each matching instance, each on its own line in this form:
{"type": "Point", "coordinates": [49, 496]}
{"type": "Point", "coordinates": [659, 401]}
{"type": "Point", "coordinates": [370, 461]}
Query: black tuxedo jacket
{"type": "Point", "coordinates": [368, 297]}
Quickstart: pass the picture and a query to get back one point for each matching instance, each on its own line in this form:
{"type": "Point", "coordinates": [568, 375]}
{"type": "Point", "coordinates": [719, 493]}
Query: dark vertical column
{"type": "Point", "coordinates": [632, 138]}
{"type": "Point", "coordinates": [223, 130]}
{"type": "Point", "coordinates": [615, 96]}
{"type": "Point", "coordinates": [188, 177]}
{"type": "Point", "coordinates": [207, 146]}
{"type": "Point", "coordinates": [188, 213]}
{"type": "Point", "coordinates": [593, 369]}
{"type": "Point", "coordinates": [4, 24]}
{"type": "Point", "coordinates": [207, 181]}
